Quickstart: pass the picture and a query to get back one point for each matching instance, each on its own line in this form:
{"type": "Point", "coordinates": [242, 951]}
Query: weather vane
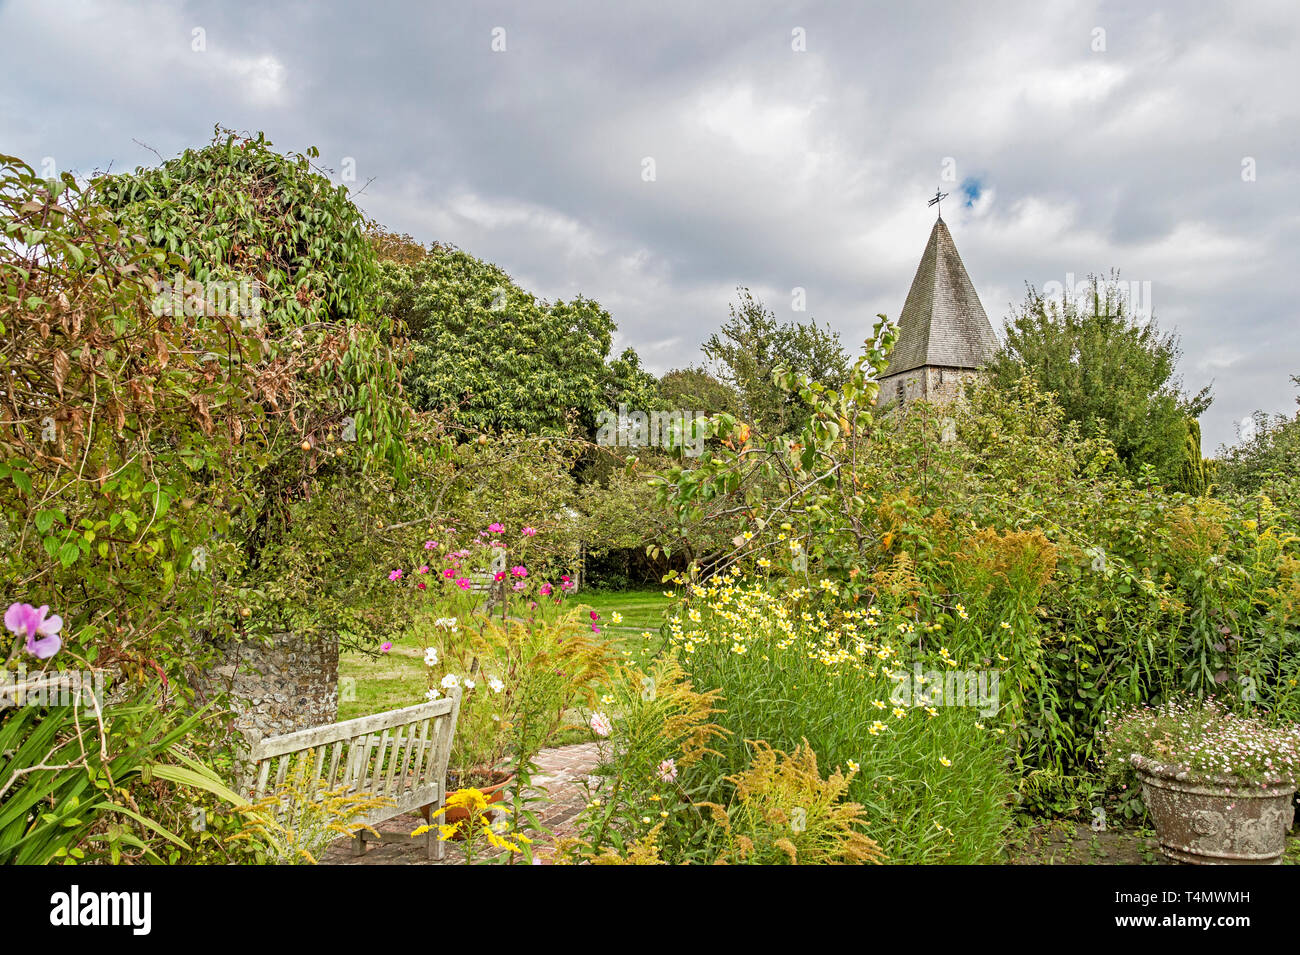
{"type": "Point", "coordinates": [938, 197]}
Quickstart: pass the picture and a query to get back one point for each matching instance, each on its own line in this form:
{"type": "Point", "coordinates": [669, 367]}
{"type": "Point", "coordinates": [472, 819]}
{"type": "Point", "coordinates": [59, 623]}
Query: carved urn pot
{"type": "Point", "coordinates": [1207, 819]}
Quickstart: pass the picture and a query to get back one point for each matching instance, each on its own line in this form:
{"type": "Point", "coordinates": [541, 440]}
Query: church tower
{"type": "Point", "coordinates": [944, 337]}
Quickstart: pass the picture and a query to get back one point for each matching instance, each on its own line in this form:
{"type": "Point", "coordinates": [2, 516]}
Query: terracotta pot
{"type": "Point", "coordinates": [495, 793]}
{"type": "Point", "coordinates": [1216, 820]}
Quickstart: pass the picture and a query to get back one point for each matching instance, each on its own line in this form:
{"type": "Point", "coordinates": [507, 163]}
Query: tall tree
{"type": "Point", "coordinates": [1267, 462]}
{"type": "Point", "coordinates": [752, 344]}
{"type": "Point", "coordinates": [1111, 372]}
{"type": "Point", "coordinates": [694, 389]}
{"type": "Point", "coordinates": [494, 356]}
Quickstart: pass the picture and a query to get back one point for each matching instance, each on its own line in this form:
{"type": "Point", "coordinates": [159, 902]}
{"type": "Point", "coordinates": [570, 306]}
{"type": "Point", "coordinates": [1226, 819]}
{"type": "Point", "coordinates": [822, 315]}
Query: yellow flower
{"type": "Point", "coordinates": [899, 712]}
{"type": "Point", "coordinates": [616, 617]}
{"type": "Point", "coordinates": [471, 800]}
{"type": "Point", "coordinates": [853, 767]}
{"type": "Point", "coordinates": [945, 760]}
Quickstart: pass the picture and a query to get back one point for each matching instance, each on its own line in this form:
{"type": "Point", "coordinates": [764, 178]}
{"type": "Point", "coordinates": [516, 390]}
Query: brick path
{"type": "Point", "coordinates": [561, 772]}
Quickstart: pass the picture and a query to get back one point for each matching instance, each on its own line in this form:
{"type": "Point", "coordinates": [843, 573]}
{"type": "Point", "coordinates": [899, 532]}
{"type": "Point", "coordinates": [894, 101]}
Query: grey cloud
{"type": "Point", "coordinates": [775, 169]}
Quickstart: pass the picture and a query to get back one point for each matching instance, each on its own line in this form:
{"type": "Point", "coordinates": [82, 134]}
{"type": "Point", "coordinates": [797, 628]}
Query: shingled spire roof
{"type": "Point", "coordinates": [943, 323]}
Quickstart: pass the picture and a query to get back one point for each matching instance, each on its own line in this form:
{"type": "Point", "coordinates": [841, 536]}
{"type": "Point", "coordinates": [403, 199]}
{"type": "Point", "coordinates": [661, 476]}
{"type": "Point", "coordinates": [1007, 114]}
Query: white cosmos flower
{"type": "Point", "coordinates": [449, 682]}
{"type": "Point", "coordinates": [432, 695]}
{"type": "Point", "coordinates": [431, 656]}
{"type": "Point", "coordinates": [469, 684]}
{"type": "Point", "coordinates": [496, 685]}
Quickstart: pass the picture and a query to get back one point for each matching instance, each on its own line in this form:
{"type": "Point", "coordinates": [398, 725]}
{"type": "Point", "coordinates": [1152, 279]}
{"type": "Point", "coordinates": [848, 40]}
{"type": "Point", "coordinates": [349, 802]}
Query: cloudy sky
{"type": "Point", "coordinates": [655, 156]}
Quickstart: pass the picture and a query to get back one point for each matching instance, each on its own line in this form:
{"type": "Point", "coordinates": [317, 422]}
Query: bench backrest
{"type": "Point", "coordinates": [400, 755]}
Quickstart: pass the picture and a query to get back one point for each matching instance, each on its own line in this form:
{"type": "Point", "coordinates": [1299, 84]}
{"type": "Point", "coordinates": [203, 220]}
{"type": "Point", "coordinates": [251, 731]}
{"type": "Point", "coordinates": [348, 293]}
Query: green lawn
{"type": "Point", "coordinates": [643, 611]}
{"type": "Point", "coordinates": [371, 683]}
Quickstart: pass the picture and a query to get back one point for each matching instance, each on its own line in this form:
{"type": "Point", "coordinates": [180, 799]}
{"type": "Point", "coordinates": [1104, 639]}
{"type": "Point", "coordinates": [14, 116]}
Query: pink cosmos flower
{"type": "Point", "coordinates": [595, 629]}
{"type": "Point", "coordinates": [422, 585]}
{"type": "Point", "coordinates": [600, 724]}
{"type": "Point", "coordinates": [449, 573]}
{"type": "Point", "coordinates": [594, 615]}
{"type": "Point", "coordinates": [462, 583]}
{"type": "Point", "coordinates": [41, 631]}
{"type": "Point", "coordinates": [385, 646]}
{"type": "Point", "coordinates": [529, 532]}
{"type": "Point", "coordinates": [396, 575]}
{"type": "Point", "coordinates": [430, 545]}
{"type": "Point", "coordinates": [520, 585]}
{"type": "Point", "coordinates": [668, 771]}
{"type": "Point", "coordinates": [520, 571]}
{"type": "Point", "coordinates": [500, 575]}
{"type": "Point", "coordinates": [496, 528]}
{"type": "Point", "coordinates": [545, 590]}
{"type": "Point", "coordinates": [568, 585]}
{"type": "Point", "coordinates": [423, 570]}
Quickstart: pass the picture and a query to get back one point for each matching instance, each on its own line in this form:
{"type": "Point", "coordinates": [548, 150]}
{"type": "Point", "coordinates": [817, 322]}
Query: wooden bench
{"type": "Point", "coordinates": [400, 755]}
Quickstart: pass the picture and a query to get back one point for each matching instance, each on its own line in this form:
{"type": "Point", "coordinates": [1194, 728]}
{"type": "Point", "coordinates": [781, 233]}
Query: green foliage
{"type": "Point", "coordinates": [67, 777]}
{"type": "Point", "coordinates": [113, 470]}
{"type": "Point", "coordinates": [785, 813]}
{"type": "Point", "coordinates": [694, 389]}
{"type": "Point", "coordinates": [798, 666]}
{"type": "Point", "coordinates": [648, 785]}
{"type": "Point", "coordinates": [495, 358]}
{"type": "Point", "coordinates": [198, 386]}
{"type": "Point", "coordinates": [751, 345]}
{"type": "Point", "coordinates": [1110, 372]}
{"type": "Point", "coordinates": [1192, 470]}
{"type": "Point", "coordinates": [1267, 467]}
{"type": "Point", "coordinates": [998, 510]}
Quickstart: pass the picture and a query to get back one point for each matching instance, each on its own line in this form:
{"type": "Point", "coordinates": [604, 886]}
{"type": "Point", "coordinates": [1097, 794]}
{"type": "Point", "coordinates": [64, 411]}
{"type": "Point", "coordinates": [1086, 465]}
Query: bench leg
{"type": "Point", "coordinates": [359, 843]}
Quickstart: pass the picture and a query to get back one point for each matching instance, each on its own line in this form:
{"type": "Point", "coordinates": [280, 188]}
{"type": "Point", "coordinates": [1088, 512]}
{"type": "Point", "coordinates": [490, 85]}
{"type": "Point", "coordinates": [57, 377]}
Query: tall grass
{"type": "Point", "coordinates": [934, 781]}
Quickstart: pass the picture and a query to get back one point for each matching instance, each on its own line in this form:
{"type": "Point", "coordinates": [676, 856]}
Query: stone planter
{"type": "Point", "coordinates": [1216, 820]}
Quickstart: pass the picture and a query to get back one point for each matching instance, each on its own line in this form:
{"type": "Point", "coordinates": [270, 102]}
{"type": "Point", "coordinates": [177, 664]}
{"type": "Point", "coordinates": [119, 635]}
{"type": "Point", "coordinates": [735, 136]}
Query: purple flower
{"type": "Point", "coordinates": [41, 631]}
{"type": "Point", "coordinates": [496, 528]}
{"type": "Point", "coordinates": [385, 646]}
{"type": "Point", "coordinates": [529, 531]}
{"type": "Point", "coordinates": [520, 571]}
{"type": "Point", "coordinates": [396, 575]}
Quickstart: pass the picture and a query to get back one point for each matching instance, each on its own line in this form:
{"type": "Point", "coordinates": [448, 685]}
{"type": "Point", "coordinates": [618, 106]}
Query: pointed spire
{"type": "Point", "coordinates": [942, 323]}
